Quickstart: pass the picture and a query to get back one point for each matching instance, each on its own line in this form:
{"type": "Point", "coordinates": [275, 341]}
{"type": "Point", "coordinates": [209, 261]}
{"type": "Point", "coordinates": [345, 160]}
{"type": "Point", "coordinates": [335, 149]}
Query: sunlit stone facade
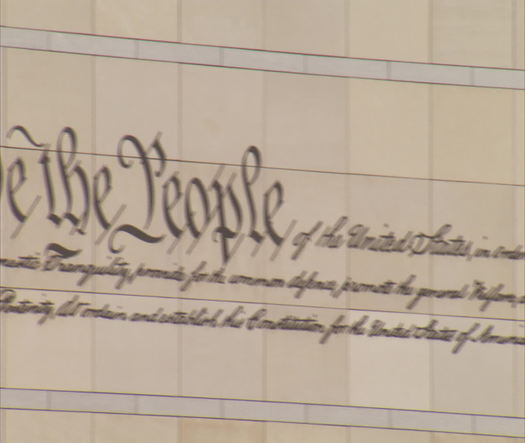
{"type": "Point", "coordinates": [262, 221]}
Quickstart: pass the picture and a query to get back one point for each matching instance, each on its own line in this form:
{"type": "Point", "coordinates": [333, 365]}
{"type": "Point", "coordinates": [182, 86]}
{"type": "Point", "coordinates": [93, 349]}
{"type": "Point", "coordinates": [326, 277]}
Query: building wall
{"type": "Point", "coordinates": [186, 196]}
{"type": "Point", "coordinates": [468, 32]}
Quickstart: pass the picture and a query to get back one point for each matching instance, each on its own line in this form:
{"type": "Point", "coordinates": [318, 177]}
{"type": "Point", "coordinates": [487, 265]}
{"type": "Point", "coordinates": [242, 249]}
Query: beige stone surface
{"type": "Point", "coordinates": [519, 137]}
{"type": "Point", "coordinates": [462, 438]}
{"type": "Point", "coordinates": [465, 381]}
{"type": "Point", "coordinates": [2, 426]}
{"type": "Point", "coordinates": [387, 206]}
{"type": "Point", "coordinates": [388, 128]}
{"type": "Point", "coordinates": [519, 235]}
{"type": "Point", "coordinates": [222, 362]}
{"type": "Point", "coordinates": [305, 122]}
{"type": "Point", "coordinates": [220, 431]}
{"type": "Point", "coordinates": [383, 29]}
{"type": "Point", "coordinates": [457, 205]}
{"type": "Point", "coordinates": [472, 32]}
{"type": "Point", "coordinates": [3, 88]}
{"type": "Point", "coordinates": [306, 204]}
{"type": "Point", "coordinates": [136, 19]}
{"type": "Point", "coordinates": [237, 23]}
{"type": "Point", "coordinates": [389, 372]}
{"type": "Point", "coordinates": [519, 34]}
{"type": "Point", "coordinates": [299, 433]}
{"type": "Point", "coordinates": [60, 15]}
{"type": "Point", "coordinates": [136, 356]}
{"type": "Point", "coordinates": [301, 360]}
{"type": "Point", "coordinates": [222, 113]}
{"type": "Point", "coordinates": [519, 375]}
{"type": "Point", "coordinates": [7, 226]}
{"type": "Point", "coordinates": [113, 428]}
{"type": "Point", "coordinates": [150, 110]}
{"type": "Point", "coordinates": [369, 435]}
{"type": "Point", "coordinates": [63, 360]}
{"type": "Point", "coordinates": [3, 344]}
{"type": "Point", "coordinates": [472, 134]}
{"type": "Point", "coordinates": [311, 26]}
{"type": "Point", "coordinates": [38, 426]}
{"type": "Point", "coordinates": [47, 92]}
{"type": "Point", "coordinates": [206, 115]}
{"type": "Point", "coordinates": [5, 223]}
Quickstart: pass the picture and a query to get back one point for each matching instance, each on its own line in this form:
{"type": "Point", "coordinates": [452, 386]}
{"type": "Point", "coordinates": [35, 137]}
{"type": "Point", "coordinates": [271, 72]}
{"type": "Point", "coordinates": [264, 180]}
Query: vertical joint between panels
{"type": "Point", "coordinates": [265, 365]}
{"type": "Point", "coordinates": [430, 35]}
{"type": "Point", "coordinates": [515, 218]}
{"type": "Point", "coordinates": [179, 20]}
{"type": "Point", "coordinates": [93, 225]}
{"type": "Point", "coordinates": [180, 106]}
{"type": "Point", "coordinates": [180, 354]}
{"type": "Point", "coordinates": [347, 252]}
{"type": "Point", "coordinates": [264, 126]}
{"type": "Point", "coordinates": [514, 141]}
{"type": "Point", "coordinates": [93, 428]}
{"type": "Point", "coordinates": [93, 23]}
{"type": "Point", "coordinates": [513, 34]}
{"type": "Point", "coordinates": [263, 24]}
{"type": "Point", "coordinates": [347, 28]}
{"type": "Point", "coordinates": [180, 149]}
{"type": "Point", "coordinates": [430, 184]}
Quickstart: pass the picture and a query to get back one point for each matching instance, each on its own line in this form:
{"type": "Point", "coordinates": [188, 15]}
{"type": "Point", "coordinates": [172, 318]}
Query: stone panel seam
{"type": "Point", "coordinates": [274, 61]}
{"type": "Point", "coordinates": [265, 411]}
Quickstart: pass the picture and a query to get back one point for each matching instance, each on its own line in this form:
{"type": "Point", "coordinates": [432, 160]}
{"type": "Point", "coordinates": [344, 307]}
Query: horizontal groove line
{"type": "Point", "coordinates": [194, 63]}
{"type": "Point", "coordinates": [328, 405]}
{"type": "Point", "coordinates": [291, 305]}
{"type": "Point", "coordinates": [253, 420]}
{"type": "Point", "coordinates": [256, 50]}
{"type": "Point", "coordinates": [259, 411]}
{"type": "Point", "coordinates": [363, 68]}
{"type": "Point", "coordinates": [278, 168]}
